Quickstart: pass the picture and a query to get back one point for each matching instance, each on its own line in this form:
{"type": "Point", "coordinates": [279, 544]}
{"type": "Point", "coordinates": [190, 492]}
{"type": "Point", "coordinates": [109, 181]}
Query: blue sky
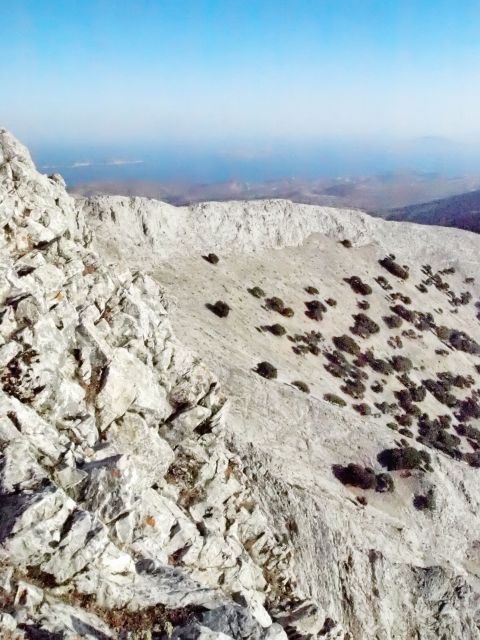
{"type": "Point", "coordinates": [200, 70]}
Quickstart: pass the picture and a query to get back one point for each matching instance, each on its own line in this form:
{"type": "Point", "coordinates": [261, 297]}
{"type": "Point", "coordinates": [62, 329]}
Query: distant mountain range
{"type": "Point", "coordinates": [461, 211]}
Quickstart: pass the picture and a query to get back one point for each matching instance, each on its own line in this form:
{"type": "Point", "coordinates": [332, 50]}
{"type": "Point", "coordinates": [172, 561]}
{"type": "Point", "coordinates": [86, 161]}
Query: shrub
{"type": "Point", "coordinates": [384, 283]}
{"type": "Point", "coordinates": [468, 409]}
{"type": "Point", "coordinates": [394, 268]}
{"type": "Point", "coordinates": [403, 458]}
{"type": "Point", "coordinates": [358, 286]}
{"type": "Point", "coordinates": [393, 322]}
{"type": "Point", "coordinates": [418, 394]}
{"type": "Point", "coordinates": [347, 344]}
{"type": "Point", "coordinates": [404, 313]}
{"type": "Point", "coordinates": [355, 475]}
{"type": "Point", "coordinates": [334, 399]}
{"type": "Point", "coordinates": [266, 370]}
{"type": "Point", "coordinates": [441, 391]}
{"type": "Point", "coordinates": [401, 363]}
{"type": "Point", "coordinates": [275, 304]}
{"type": "Point", "coordinates": [354, 388]}
{"type": "Point", "coordinates": [363, 305]}
{"type": "Point", "coordinates": [381, 366]}
{"type": "Point", "coordinates": [463, 342]}
{"type": "Point", "coordinates": [212, 258]}
{"type": "Point", "coordinates": [363, 409]}
{"type": "Point", "coordinates": [312, 291]}
{"type": "Point", "coordinates": [287, 312]}
{"type": "Point", "coordinates": [303, 386]}
{"type": "Point", "coordinates": [331, 302]}
{"type": "Point", "coordinates": [404, 419]}
{"type": "Point", "coordinates": [315, 309]}
{"type": "Point", "coordinates": [384, 483]}
{"type": "Point", "coordinates": [425, 502]}
{"type": "Point", "coordinates": [276, 329]}
{"type": "Point", "coordinates": [377, 387]}
{"type": "Point", "coordinates": [220, 308]}
{"type": "Point", "coordinates": [346, 243]}
{"type": "Point", "coordinates": [473, 459]}
{"type": "Point", "coordinates": [364, 326]}
{"type": "Point", "coordinates": [256, 292]}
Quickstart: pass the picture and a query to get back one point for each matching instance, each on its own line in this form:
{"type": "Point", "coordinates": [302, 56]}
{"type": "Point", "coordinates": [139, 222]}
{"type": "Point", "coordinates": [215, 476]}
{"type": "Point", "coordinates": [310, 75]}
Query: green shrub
{"type": "Point", "coordinates": [334, 399]}
{"type": "Point", "coordinates": [256, 292]}
{"type": "Point", "coordinates": [384, 483]}
{"type": "Point", "coordinates": [287, 312]}
{"type": "Point", "coordinates": [276, 329]}
{"type": "Point", "coordinates": [266, 370]}
{"type": "Point", "coordinates": [347, 344]}
{"type": "Point", "coordinates": [220, 308]}
{"type": "Point", "coordinates": [212, 258]}
{"type": "Point", "coordinates": [364, 326]}
{"type": "Point", "coordinates": [312, 291]}
{"type": "Point", "coordinates": [354, 388]}
{"type": "Point", "coordinates": [303, 386]}
{"type": "Point", "coordinates": [381, 366]}
{"type": "Point", "coordinates": [401, 363]}
{"type": "Point", "coordinates": [393, 322]}
{"type": "Point", "coordinates": [331, 302]}
{"type": "Point", "coordinates": [363, 409]}
{"type": "Point", "coordinates": [393, 267]}
{"type": "Point", "coordinates": [355, 475]}
{"type": "Point", "coordinates": [315, 309]}
{"type": "Point", "coordinates": [363, 305]}
{"type": "Point", "coordinates": [463, 342]}
{"type": "Point", "coordinates": [358, 286]}
{"type": "Point", "coordinates": [404, 458]}
{"type": "Point", "coordinates": [425, 502]}
{"type": "Point", "coordinates": [275, 304]}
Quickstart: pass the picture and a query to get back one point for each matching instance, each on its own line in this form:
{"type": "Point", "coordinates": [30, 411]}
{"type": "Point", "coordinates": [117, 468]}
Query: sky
{"type": "Point", "coordinates": [197, 71]}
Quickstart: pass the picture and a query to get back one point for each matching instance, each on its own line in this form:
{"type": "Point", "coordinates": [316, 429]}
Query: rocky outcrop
{"type": "Point", "coordinates": [122, 511]}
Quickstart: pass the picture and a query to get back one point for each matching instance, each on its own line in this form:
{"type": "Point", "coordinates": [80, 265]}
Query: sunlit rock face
{"type": "Point", "coordinates": [153, 484]}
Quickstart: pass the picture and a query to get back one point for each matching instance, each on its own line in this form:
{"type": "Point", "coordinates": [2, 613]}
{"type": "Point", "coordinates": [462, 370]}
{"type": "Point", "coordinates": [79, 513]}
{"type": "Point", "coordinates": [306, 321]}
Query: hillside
{"type": "Point", "coordinates": [255, 420]}
{"type": "Point", "coordinates": [460, 211]}
{"type": "Point", "coordinates": [379, 563]}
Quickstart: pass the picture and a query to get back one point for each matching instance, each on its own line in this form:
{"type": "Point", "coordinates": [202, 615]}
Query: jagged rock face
{"type": "Point", "coordinates": [121, 509]}
{"type": "Point", "coordinates": [388, 564]}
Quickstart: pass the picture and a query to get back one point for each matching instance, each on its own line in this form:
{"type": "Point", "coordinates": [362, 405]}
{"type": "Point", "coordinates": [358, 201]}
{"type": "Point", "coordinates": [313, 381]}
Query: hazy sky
{"type": "Point", "coordinates": [193, 70]}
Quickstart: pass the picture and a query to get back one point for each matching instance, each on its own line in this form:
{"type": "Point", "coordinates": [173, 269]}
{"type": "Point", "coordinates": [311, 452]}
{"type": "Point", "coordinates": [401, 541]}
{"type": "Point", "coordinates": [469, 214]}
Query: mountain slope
{"type": "Point", "coordinates": [123, 513]}
{"type": "Point", "coordinates": [377, 563]}
{"type": "Point", "coordinates": [461, 211]}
